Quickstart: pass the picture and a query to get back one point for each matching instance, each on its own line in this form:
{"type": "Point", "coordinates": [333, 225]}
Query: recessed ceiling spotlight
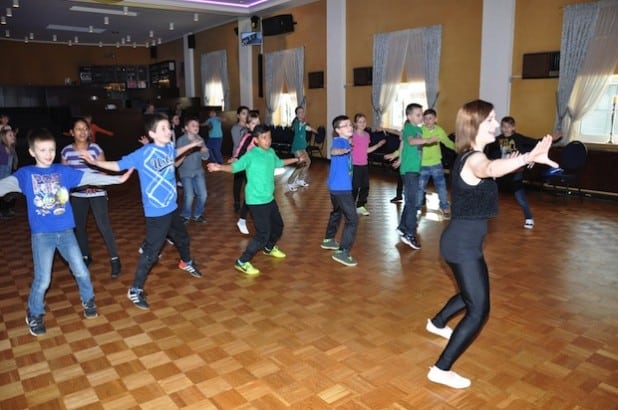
{"type": "Point", "coordinates": [123, 41]}
{"type": "Point", "coordinates": [100, 44]}
{"type": "Point", "coordinates": [2, 20]}
{"type": "Point", "coordinates": [172, 26]}
{"type": "Point", "coordinates": [31, 36]}
{"type": "Point", "coordinates": [90, 29]}
{"type": "Point", "coordinates": [117, 44]}
{"type": "Point", "coordinates": [9, 12]}
{"type": "Point", "coordinates": [196, 17]}
{"type": "Point", "coordinates": [70, 43]}
{"type": "Point", "coordinates": [106, 20]}
{"type": "Point", "coordinates": [151, 34]}
{"type": "Point", "coordinates": [7, 33]}
{"type": "Point", "coordinates": [26, 39]}
{"type": "Point", "coordinates": [54, 37]}
{"type": "Point", "coordinates": [159, 41]}
{"type": "Point", "coordinates": [129, 38]}
{"type": "Point", "coordinates": [76, 40]}
{"type": "Point", "coordinates": [15, 3]}
{"type": "Point", "coordinates": [125, 10]}
{"type": "Point", "coordinates": [134, 45]}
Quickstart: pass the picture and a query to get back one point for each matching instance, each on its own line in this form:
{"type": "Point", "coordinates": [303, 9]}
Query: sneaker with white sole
{"type": "Point", "coordinates": [411, 241]}
{"type": "Point", "coordinates": [329, 244]}
{"type": "Point", "coordinates": [529, 223]}
{"type": "Point", "coordinates": [361, 210]}
{"type": "Point", "coordinates": [275, 252]}
{"type": "Point", "coordinates": [90, 309]}
{"type": "Point", "coordinates": [444, 332]}
{"type": "Point", "coordinates": [246, 268]}
{"type": "Point", "coordinates": [138, 298]}
{"type": "Point", "coordinates": [292, 187]}
{"type": "Point", "coordinates": [36, 325]}
{"type": "Point", "coordinates": [302, 183]}
{"type": "Point", "coordinates": [448, 378]}
{"type": "Point", "coordinates": [190, 267]}
{"type": "Point", "coordinates": [242, 226]}
{"type": "Point", "coordinates": [343, 257]}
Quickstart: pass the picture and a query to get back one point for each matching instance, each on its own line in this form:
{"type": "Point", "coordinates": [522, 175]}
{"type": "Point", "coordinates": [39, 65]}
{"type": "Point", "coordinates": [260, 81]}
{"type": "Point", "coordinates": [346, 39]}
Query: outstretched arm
{"type": "Point", "coordinates": [376, 146]}
{"type": "Point", "coordinates": [185, 148]}
{"type": "Point", "coordinates": [9, 184]}
{"type": "Point", "coordinates": [214, 167]}
{"type": "Point", "coordinates": [95, 178]}
{"type": "Point", "coordinates": [108, 165]}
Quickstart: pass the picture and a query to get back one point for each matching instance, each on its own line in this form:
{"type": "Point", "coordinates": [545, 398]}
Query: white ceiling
{"type": "Point", "coordinates": [32, 19]}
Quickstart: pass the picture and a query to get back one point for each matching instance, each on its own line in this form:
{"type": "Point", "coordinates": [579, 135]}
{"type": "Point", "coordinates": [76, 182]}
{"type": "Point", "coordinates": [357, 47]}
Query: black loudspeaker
{"type": "Point", "coordinates": [316, 79]}
{"type": "Point", "coordinates": [260, 73]}
{"type": "Point", "coordinates": [275, 25]}
{"type": "Point", "coordinates": [363, 75]}
{"type": "Point", "coordinates": [191, 40]}
{"type": "Point", "coordinates": [153, 52]}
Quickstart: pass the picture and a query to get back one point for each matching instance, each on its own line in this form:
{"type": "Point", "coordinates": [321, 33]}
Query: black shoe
{"type": "Point", "coordinates": [138, 298]}
{"type": "Point", "coordinates": [411, 241]}
{"type": "Point", "coordinates": [36, 325]}
{"type": "Point", "coordinates": [116, 267]}
{"type": "Point", "coordinates": [396, 199]}
{"type": "Point", "coordinates": [199, 219]}
{"type": "Point", "coordinates": [90, 309]}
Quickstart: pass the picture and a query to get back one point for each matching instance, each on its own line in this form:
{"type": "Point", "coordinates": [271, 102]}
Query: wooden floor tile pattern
{"type": "Point", "coordinates": [308, 333]}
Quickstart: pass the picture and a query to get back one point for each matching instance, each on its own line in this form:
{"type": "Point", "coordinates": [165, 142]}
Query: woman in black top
{"type": "Point", "coordinates": [474, 200]}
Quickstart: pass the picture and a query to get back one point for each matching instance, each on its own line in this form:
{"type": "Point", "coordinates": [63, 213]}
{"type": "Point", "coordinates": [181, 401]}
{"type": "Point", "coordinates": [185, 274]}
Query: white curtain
{"type": "Point", "coordinates": [214, 76]}
{"type": "Point", "coordinates": [285, 67]}
{"type": "Point", "coordinates": [596, 70]}
{"type": "Point", "coordinates": [416, 50]}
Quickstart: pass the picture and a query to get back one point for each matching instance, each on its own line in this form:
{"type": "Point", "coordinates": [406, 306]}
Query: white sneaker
{"type": "Point", "coordinates": [302, 183]}
{"type": "Point", "coordinates": [445, 332]}
{"type": "Point", "coordinates": [242, 226]}
{"type": "Point", "coordinates": [529, 223]}
{"type": "Point", "coordinates": [292, 187]}
{"type": "Point", "coordinates": [361, 210]}
{"type": "Point", "coordinates": [448, 378]}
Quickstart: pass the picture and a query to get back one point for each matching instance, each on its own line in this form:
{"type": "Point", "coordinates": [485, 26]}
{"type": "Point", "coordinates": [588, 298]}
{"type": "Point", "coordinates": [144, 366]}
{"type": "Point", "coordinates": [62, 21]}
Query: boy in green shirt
{"type": "Point", "coordinates": [431, 163]}
{"type": "Point", "coordinates": [259, 164]}
{"type": "Point", "coordinates": [409, 163]}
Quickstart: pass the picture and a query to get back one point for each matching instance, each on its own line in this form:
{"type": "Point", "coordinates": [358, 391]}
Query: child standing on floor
{"type": "Point", "coordinates": [298, 178]}
{"type": "Point", "coordinates": [360, 164]}
{"type": "Point", "coordinates": [246, 144]}
{"type": "Point", "coordinates": [238, 130]}
{"type": "Point", "coordinates": [340, 188]}
{"type": "Point", "coordinates": [8, 164]}
{"type": "Point", "coordinates": [89, 197]}
{"type": "Point", "coordinates": [155, 165]}
{"type": "Point", "coordinates": [191, 172]}
{"type": "Point", "coordinates": [259, 165]}
{"type": "Point", "coordinates": [215, 136]}
{"type": "Point", "coordinates": [46, 186]}
{"type": "Point", "coordinates": [409, 164]}
{"type": "Point", "coordinates": [431, 162]}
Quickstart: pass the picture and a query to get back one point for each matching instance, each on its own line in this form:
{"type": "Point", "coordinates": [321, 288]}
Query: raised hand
{"type": "Point", "coordinates": [126, 175]}
{"type": "Point", "coordinates": [540, 152]}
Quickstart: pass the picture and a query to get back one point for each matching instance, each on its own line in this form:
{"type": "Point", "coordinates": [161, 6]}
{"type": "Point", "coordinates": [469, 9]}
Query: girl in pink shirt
{"type": "Point", "coordinates": [361, 141]}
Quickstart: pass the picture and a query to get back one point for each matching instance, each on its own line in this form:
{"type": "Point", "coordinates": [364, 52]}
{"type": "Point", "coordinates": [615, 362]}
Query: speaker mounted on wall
{"type": "Point", "coordinates": [153, 52]}
{"type": "Point", "coordinates": [276, 25]}
{"type": "Point", "coordinates": [316, 79]}
{"type": "Point", "coordinates": [191, 41]}
{"type": "Point", "coordinates": [363, 76]}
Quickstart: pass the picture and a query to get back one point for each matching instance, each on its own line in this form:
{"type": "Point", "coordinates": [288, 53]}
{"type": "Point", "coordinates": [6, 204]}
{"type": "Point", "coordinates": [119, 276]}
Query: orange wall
{"type": "Point", "coordinates": [49, 64]}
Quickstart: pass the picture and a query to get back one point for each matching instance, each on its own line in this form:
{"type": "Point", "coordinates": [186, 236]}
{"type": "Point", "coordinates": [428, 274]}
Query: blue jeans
{"type": "Point", "coordinates": [520, 194]}
{"type": "Point", "coordinates": [44, 247]}
{"type": "Point", "coordinates": [193, 187]}
{"type": "Point", "coordinates": [214, 148]}
{"type": "Point", "coordinates": [436, 173]}
{"type": "Point", "coordinates": [407, 224]}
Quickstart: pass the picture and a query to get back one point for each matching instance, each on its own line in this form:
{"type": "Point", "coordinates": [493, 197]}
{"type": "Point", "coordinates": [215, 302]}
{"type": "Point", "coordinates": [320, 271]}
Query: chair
{"type": "Point", "coordinates": [318, 142]}
{"type": "Point", "coordinates": [572, 161]}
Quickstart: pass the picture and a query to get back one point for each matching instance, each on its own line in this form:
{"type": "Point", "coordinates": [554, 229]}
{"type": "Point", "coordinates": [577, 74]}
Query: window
{"type": "Point", "coordinates": [284, 115]}
{"type": "Point", "coordinates": [407, 93]}
{"type": "Point", "coordinates": [213, 94]}
{"type": "Point", "coordinates": [595, 125]}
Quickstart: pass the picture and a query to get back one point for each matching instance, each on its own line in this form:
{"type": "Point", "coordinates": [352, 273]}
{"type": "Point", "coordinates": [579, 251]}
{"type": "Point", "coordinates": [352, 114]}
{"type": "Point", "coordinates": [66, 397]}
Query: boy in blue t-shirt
{"type": "Point", "coordinates": [340, 188]}
{"type": "Point", "coordinates": [46, 186]}
{"type": "Point", "coordinates": [215, 136]}
{"type": "Point", "coordinates": [155, 166]}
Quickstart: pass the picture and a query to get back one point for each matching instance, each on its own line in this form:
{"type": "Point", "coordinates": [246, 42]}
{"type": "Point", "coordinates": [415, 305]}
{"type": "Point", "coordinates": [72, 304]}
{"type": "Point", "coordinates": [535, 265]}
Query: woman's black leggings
{"type": "Point", "coordinates": [473, 282]}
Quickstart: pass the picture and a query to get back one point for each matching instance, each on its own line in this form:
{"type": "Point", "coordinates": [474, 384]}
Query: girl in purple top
{"type": "Point", "coordinates": [361, 141]}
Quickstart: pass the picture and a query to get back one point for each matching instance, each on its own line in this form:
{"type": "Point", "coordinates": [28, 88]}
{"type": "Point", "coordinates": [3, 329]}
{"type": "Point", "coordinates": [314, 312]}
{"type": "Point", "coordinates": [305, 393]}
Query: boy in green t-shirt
{"type": "Point", "coordinates": [409, 163]}
{"type": "Point", "coordinates": [259, 165]}
{"type": "Point", "coordinates": [431, 163]}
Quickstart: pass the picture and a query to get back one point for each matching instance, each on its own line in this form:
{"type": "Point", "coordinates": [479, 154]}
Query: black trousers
{"type": "Point", "coordinates": [268, 229]}
{"type": "Point", "coordinates": [473, 281]}
{"type": "Point", "coordinates": [360, 184]}
{"type": "Point", "coordinates": [98, 204]}
{"type": "Point", "coordinates": [343, 205]}
{"type": "Point", "coordinates": [240, 178]}
{"type": "Point", "coordinates": [157, 229]}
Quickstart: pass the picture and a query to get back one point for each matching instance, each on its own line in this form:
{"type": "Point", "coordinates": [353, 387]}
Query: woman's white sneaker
{"type": "Point", "coordinates": [445, 332]}
{"type": "Point", "coordinates": [448, 378]}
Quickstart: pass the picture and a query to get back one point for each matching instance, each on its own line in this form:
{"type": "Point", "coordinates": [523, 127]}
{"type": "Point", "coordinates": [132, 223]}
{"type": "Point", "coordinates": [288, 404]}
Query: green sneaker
{"type": "Point", "coordinates": [344, 258]}
{"type": "Point", "coordinates": [329, 244]}
{"type": "Point", "coordinates": [275, 252]}
{"type": "Point", "coordinates": [246, 268]}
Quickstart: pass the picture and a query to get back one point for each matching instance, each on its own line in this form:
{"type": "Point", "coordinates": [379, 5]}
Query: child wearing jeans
{"type": "Point", "coordinates": [191, 172]}
{"type": "Point", "coordinates": [340, 188]}
{"type": "Point", "coordinates": [215, 136]}
{"type": "Point", "coordinates": [46, 186]}
{"type": "Point", "coordinates": [155, 165]}
{"type": "Point", "coordinates": [8, 164]}
{"type": "Point", "coordinates": [259, 164]}
{"type": "Point", "coordinates": [361, 141]}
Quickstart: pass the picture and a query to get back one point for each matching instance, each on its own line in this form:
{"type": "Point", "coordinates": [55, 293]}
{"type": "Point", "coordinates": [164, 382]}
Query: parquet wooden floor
{"type": "Point", "coordinates": [309, 333]}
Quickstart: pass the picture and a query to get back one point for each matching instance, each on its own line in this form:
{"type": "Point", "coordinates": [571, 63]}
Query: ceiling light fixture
{"type": "Point", "coordinates": [125, 10]}
{"type": "Point", "coordinates": [31, 36]}
{"type": "Point", "coordinates": [2, 20]}
{"type": "Point", "coordinates": [76, 40]}
{"type": "Point", "coordinates": [196, 17]}
{"type": "Point", "coordinates": [7, 33]}
{"type": "Point", "coordinates": [90, 29]}
{"type": "Point", "coordinates": [134, 45]}
{"type": "Point", "coordinates": [54, 38]}
{"type": "Point", "coordinates": [75, 29]}
{"type": "Point", "coordinates": [15, 3]}
{"type": "Point", "coordinates": [70, 43]}
{"type": "Point", "coordinates": [100, 44]}
{"type": "Point", "coordinates": [9, 12]}
{"type": "Point", "coordinates": [106, 20]}
{"type": "Point", "coordinates": [102, 11]}
{"type": "Point", "coordinates": [151, 34]}
{"type": "Point", "coordinates": [159, 41]}
{"type": "Point", "coordinates": [123, 41]}
{"type": "Point", "coordinates": [172, 26]}
{"type": "Point", "coordinates": [26, 39]}
{"type": "Point", "coordinates": [128, 38]}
